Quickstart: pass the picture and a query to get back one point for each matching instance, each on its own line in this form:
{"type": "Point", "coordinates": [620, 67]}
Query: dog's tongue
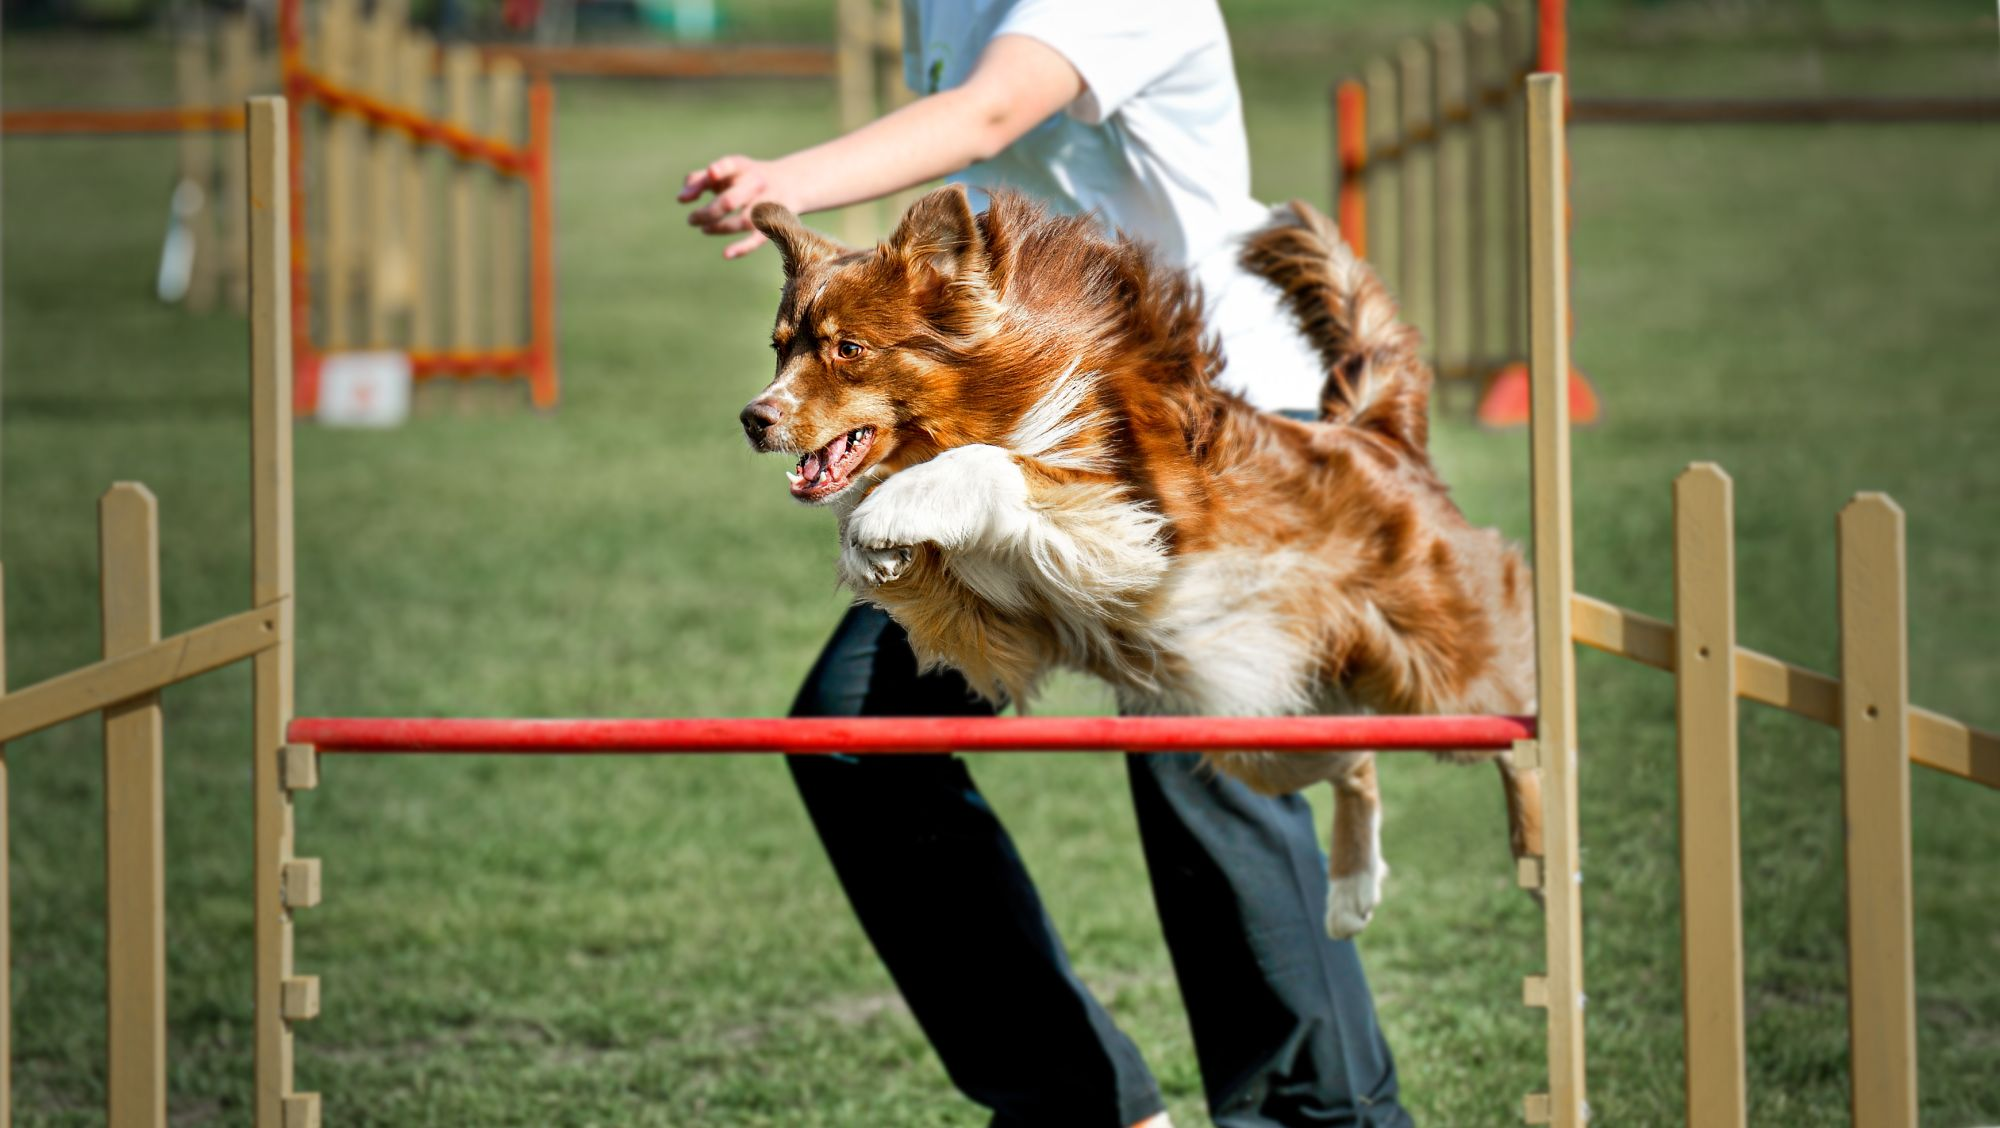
{"type": "Point", "coordinates": [809, 469]}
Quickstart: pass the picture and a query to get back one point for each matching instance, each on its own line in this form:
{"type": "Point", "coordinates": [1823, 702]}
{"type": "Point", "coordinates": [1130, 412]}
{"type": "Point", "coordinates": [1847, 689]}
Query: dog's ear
{"type": "Point", "coordinates": [800, 245]}
{"type": "Point", "coordinates": [940, 233]}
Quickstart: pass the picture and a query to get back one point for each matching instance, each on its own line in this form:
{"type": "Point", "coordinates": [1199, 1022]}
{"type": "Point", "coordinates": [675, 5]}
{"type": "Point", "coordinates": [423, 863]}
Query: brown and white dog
{"type": "Point", "coordinates": [1017, 421]}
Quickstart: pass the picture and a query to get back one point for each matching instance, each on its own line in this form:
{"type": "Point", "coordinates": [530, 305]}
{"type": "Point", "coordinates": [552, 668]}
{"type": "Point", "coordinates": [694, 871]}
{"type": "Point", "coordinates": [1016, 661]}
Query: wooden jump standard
{"type": "Point", "coordinates": [1881, 733]}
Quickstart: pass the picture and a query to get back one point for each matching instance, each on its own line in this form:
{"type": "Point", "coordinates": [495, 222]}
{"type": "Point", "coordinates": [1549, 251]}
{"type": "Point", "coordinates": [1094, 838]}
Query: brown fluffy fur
{"type": "Point", "coordinates": [1054, 478]}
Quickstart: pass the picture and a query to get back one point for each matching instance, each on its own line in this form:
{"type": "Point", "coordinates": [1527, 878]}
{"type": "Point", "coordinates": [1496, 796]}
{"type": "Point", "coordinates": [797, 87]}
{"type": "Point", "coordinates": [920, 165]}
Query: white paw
{"type": "Point", "coordinates": [1351, 901]}
{"type": "Point", "coordinates": [964, 495]}
{"type": "Point", "coordinates": [873, 567]}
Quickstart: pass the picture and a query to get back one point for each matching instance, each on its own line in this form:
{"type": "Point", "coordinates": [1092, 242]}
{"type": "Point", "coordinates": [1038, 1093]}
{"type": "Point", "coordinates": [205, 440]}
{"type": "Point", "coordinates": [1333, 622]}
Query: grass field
{"type": "Point", "coordinates": [660, 942]}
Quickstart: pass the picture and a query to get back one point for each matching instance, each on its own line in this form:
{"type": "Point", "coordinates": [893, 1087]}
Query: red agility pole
{"type": "Point", "coordinates": [910, 735]}
{"type": "Point", "coordinates": [1350, 115]}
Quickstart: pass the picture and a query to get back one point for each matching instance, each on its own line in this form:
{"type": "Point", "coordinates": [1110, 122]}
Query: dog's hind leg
{"type": "Point", "coordinates": [1355, 869]}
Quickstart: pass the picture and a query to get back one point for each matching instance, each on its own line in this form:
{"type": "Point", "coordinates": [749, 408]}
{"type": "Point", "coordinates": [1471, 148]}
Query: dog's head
{"type": "Point", "coordinates": [872, 346]}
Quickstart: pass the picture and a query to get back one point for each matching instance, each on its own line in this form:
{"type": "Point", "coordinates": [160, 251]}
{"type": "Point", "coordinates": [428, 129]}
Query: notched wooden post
{"type": "Point", "coordinates": [1875, 756]}
{"type": "Point", "coordinates": [279, 884]}
{"type": "Point", "coordinates": [1555, 590]}
{"type": "Point", "coordinates": [135, 875]}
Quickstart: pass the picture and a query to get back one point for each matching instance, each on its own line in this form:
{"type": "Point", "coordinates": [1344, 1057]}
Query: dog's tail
{"type": "Point", "coordinates": [1376, 378]}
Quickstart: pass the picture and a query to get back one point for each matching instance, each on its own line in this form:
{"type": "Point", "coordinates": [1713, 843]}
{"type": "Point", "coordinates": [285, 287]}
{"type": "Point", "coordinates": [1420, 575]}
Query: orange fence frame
{"type": "Point", "coordinates": [535, 363]}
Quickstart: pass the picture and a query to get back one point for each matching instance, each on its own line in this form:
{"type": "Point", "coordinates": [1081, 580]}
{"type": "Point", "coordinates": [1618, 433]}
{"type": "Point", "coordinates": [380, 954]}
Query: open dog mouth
{"type": "Point", "coordinates": [822, 473]}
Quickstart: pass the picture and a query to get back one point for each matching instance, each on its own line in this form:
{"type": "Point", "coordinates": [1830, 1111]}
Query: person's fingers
{"type": "Point", "coordinates": [744, 192]}
{"type": "Point", "coordinates": [695, 184]}
{"type": "Point", "coordinates": [711, 177]}
{"type": "Point", "coordinates": [745, 245]}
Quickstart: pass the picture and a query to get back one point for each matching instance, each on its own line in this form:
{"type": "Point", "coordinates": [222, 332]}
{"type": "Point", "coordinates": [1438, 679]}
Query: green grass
{"type": "Point", "coordinates": [660, 941]}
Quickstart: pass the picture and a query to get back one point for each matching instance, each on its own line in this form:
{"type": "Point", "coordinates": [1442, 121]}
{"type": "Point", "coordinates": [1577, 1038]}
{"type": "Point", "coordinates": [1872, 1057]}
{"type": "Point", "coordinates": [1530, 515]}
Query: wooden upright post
{"type": "Point", "coordinates": [1875, 752]}
{"type": "Point", "coordinates": [135, 872]}
{"type": "Point", "coordinates": [1711, 880]}
{"type": "Point", "coordinates": [1555, 653]}
{"type": "Point", "coordinates": [277, 1105]}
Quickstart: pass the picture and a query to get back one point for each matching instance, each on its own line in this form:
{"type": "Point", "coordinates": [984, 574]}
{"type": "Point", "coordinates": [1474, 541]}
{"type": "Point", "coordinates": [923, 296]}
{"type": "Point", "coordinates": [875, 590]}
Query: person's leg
{"type": "Point", "coordinates": [1284, 1027]}
{"type": "Point", "coordinates": [943, 896]}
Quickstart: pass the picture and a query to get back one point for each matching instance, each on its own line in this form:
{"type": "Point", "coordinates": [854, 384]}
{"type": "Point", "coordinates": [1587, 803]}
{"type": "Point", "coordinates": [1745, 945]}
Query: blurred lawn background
{"type": "Point", "coordinates": [660, 942]}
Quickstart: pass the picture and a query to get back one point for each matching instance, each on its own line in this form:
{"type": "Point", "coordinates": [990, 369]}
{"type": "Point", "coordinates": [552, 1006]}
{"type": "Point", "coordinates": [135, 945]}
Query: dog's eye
{"type": "Point", "coordinates": [847, 350]}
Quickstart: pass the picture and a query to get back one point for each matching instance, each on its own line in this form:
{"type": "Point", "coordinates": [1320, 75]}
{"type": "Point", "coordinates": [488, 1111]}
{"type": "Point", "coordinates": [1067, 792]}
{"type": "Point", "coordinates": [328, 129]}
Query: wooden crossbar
{"type": "Point", "coordinates": [1936, 741]}
{"type": "Point", "coordinates": [170, 660]}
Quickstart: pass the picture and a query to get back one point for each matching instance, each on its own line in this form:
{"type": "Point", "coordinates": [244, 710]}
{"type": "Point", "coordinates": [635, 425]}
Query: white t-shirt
{"type": "Point", "coordinates": [1155, 145]}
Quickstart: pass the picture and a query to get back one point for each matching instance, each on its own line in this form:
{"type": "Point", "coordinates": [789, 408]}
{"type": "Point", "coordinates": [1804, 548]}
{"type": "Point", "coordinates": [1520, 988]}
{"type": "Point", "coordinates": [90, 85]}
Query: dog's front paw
{"type": "Point", "coordinates": [1351, 900]}
{"type": "Point", "coordinates": [961, 496]}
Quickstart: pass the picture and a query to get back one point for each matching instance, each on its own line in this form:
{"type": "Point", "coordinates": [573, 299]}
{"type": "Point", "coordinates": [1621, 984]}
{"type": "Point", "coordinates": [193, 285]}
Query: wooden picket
{"type": "Point", "coordinates": [135, 876]}
{"type": "Point", "coordinates": [1875, 737]}
{"type": "Point", "coordinates": [1711, 880]}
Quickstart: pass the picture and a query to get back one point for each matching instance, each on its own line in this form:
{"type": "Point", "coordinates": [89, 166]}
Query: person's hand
{"type": "Point", "coordinates": [738, 182]}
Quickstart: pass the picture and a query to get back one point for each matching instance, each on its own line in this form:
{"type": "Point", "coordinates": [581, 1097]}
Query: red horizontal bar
{"type": "Point", "coordinates": [497, 362]}
{"type": "Point", "coordinates": [909, 735]}
{"type": "Point", "coordinates": [504, 158]}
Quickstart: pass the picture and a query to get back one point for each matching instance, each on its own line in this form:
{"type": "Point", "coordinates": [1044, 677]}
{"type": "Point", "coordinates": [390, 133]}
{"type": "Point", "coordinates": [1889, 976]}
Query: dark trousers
{"type": "Point", "coordinates": [1284, 1028]}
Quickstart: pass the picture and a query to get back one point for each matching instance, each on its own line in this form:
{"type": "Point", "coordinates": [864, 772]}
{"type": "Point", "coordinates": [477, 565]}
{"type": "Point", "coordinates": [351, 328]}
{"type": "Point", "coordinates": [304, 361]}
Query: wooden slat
{"type": "Point", "coordinates": [173, 659]}
{"type": "Point", "coordinates": [383, 281]}
{"type": "Point", "coordinates": [508, 220]}
{"type": "Point", "coordinates": [239, 79]}
{"type": "Point", "coordinates": [1450, 216]}
{"type": "Point", "coordinates": [1384, 128]}
{"type": "Point", "coordinates": [1874, 727]}
{"type": "Point", "coordinates": [135, 872]}
{"type": "Point", "coordinates": [418, 53]}
{"type": "Point", "coordinates": [1517, 45]}
{"type": "Point", "coordinates": [1936, 741]}
{"type": "Point", "coordinates": [1483, 169]}
{"type": "Point", "coordinates": [461, 74]}
{"type": "Point", "coordinates": [1711, 875]}
{"type": "Point", "coordinates": [271, 586]}
{"type": "Point", "coordinates": [197, 154]}
{"type": "Point", "coordinates": [339, 20]}
{"type": "Point", "coordinates": [1416, 179]}
{"type": "Point", "coordinates": [1555, 651]}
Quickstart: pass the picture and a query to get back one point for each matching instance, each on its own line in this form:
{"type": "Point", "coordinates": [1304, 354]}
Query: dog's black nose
{"type": "Point", "coordinates": [759, 417]}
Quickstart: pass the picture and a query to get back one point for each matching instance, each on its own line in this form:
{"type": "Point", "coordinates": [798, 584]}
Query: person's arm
{"type": "Point", "coordinates": [1018, 83]}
